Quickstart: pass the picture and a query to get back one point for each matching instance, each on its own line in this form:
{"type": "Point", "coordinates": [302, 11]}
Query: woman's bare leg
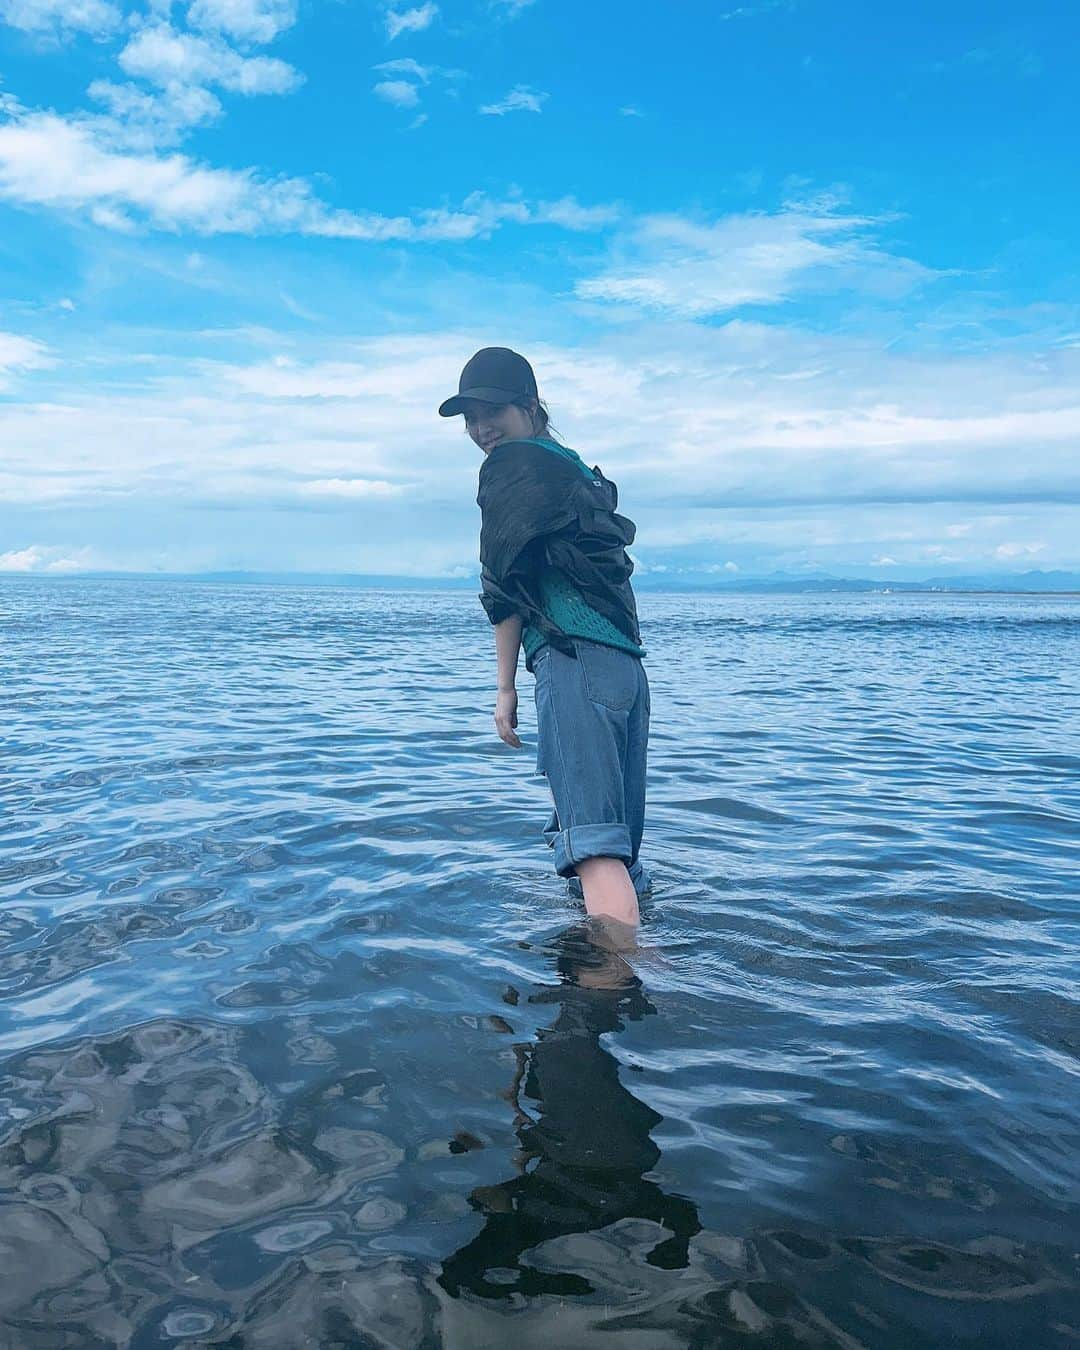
{"type": "Point", "coordinates": [609, 892]}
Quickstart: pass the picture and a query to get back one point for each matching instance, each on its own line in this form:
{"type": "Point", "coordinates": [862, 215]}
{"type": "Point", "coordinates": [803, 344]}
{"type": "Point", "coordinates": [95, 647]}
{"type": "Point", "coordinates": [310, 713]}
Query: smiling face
{"type": "Point", "coordinates": [489, 424]}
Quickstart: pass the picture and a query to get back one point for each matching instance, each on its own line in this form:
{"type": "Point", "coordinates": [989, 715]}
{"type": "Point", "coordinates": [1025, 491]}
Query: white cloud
{"type": "Point", "coordinates": [721, 460]}
{"type": "Point", "coordinates": [511, 8]}
{"type": "Point", "coordinates": [48, 161]}
{"type": "Point", "coordinates": [631, 111]}
{"type": "Point", "coordinates": [140, 120]}
{"type": "Point", "coordinates": [1008, 551]}
{"type": "Point", "coordinates": [165, 57]}
{"type": "Point", "coordinates": [246, 20]}
{"type": "Point", "coordinates": [762, 7]}
{"type": "Point", "coordinates": [402, 91]}
{"type": "Point", "coordinates": [406, 66]}
{"type": "Point", "coordinates": [410, 20]}
{"type": "Point", "coordinates": [112, 218]}
{"type": "Point", "coordinates": [882, 560]}
{"type": "Point", "coordinates": [938, 554]}
{"type": "Point", "coordinates": [370, 374]}
{"type": "Point", "coordinates": [398, 92]}
{"type": "Point", "coordinates": [520, 99]}
{"type": "Point", "coordinates": [77, 165]}
{"type": "Point", "coordinates": [18, 354]}
{"type": "Point", "coordinates": [673, 264]}
{"type": "Point", "coordinates": [349, 488]}
{"type": "Point", "coordinates": [571, 215]}
{"type": "Point", "coordinates": [96, 17]}
{"type": "Point", "coordinates": [37, 558]}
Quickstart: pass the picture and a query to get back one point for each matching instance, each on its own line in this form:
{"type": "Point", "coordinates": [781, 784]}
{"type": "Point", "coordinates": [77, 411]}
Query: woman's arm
{"type": "Point", "coordinates": [507, 645]}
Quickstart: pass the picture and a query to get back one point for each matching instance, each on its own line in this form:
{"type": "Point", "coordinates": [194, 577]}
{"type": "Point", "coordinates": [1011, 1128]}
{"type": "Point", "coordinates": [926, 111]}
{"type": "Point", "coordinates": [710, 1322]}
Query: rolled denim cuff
{"type": "Point", "coordinates": [641, 878]}
{"type": "Point", "coordinates": [579, 842]}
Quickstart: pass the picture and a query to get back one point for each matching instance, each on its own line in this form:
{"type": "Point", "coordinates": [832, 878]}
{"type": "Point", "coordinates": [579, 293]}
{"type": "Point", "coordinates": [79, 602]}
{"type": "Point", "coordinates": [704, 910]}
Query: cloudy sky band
{"type": "Point", "coordinates": [742, 338]}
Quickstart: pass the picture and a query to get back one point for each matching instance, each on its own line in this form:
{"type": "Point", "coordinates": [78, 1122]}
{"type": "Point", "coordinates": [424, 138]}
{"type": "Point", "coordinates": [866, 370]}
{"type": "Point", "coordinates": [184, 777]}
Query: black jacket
{"type": "Point", "coordinates": [538, 509]}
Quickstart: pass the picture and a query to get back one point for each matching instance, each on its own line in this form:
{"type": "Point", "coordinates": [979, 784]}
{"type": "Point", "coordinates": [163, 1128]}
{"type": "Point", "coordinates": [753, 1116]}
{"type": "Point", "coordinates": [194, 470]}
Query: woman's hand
{"type": "Point", "coordinates": [506, 717]}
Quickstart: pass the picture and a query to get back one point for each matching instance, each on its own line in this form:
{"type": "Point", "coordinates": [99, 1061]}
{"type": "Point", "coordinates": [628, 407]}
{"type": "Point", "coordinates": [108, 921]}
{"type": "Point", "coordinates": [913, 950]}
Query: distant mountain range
{"type": "Point", "coordinates": [817, 582]}
{"type": "Point", "coordinates": [777, 583]}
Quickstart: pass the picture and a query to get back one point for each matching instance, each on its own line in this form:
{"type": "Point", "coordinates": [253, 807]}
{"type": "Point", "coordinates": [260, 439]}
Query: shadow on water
{"type": "Point", "coordinates": [585, 1142]}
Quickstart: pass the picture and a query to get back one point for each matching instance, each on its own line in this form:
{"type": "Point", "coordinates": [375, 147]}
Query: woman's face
{"type": "Point", "coordinates": [489, 424]}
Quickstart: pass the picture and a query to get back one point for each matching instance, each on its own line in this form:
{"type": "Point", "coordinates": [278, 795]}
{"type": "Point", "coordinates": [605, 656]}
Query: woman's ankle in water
{"type": "Point", "coordinates": [609, 893]}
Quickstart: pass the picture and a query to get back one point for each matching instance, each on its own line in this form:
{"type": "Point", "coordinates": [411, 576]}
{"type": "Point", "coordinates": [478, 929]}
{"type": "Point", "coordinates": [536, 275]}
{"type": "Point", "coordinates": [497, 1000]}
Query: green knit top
{"type": "Point", "coordinates": [561, 600]}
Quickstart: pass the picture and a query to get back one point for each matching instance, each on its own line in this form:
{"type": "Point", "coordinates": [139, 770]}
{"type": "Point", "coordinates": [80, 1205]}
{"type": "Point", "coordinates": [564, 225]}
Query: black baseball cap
{"type": "Point", "coordinates": [493, 375]}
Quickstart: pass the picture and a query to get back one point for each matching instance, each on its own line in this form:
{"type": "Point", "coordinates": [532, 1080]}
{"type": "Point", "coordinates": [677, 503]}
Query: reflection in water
{"type": "Point", "coordinates": [262, 881]}
{"type": "Point", "coordinates": [150, 1165]}
{"type": "Point", "coordinates": [159, 1182]}
{"type": "Point", "coordinates": [585, 1145]}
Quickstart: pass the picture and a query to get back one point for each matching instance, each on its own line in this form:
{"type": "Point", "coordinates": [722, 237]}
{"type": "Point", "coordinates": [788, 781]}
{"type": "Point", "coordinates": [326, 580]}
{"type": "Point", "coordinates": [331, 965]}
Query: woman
{"type": "Point", "coordinates": [556, 576]}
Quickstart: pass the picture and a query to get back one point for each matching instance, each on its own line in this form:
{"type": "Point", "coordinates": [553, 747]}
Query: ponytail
{"type": "Point", "coordinates": [541, 419]}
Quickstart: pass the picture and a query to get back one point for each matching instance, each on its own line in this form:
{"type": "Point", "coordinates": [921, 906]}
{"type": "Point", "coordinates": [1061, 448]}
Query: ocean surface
{"type": "Point", "coordinates": [302, 1042]}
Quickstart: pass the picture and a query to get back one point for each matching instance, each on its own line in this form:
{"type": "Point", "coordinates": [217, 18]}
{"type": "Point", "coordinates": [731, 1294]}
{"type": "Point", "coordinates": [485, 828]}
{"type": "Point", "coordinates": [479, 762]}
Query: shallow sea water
{"type": "Point", "coordinates": [302, 1042]}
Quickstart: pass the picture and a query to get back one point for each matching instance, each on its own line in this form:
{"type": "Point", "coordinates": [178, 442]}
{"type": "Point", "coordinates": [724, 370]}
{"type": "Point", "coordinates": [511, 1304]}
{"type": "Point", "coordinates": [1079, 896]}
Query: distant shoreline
{"type": "Point", "coordinates": [762, 588]}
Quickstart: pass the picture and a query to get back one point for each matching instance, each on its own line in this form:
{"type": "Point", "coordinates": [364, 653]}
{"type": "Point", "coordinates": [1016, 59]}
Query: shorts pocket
{"type": "Point", "coordinates": [610, 675]}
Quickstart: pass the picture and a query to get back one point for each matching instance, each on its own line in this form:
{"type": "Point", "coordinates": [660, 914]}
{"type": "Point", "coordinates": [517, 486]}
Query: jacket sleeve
{"type": "Point", "coordinates": [524, 492]}
{"type": "Point", "coordinates": [514, 593]}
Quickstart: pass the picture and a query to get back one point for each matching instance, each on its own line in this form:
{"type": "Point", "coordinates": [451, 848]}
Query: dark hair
{"type": "Point", "coordinates": [541, 419]}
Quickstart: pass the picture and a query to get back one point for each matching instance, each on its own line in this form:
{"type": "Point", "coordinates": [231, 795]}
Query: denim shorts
{"type": "Point", "coordinates": [592, 718]}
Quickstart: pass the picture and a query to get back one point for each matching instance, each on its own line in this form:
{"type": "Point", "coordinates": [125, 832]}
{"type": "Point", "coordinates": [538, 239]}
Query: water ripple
{"type": "Point", "coordinates": [301, 1041]}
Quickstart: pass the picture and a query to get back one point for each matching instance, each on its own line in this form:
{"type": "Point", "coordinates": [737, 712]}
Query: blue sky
{"type": "Point", "coordinates": [801, 275]}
